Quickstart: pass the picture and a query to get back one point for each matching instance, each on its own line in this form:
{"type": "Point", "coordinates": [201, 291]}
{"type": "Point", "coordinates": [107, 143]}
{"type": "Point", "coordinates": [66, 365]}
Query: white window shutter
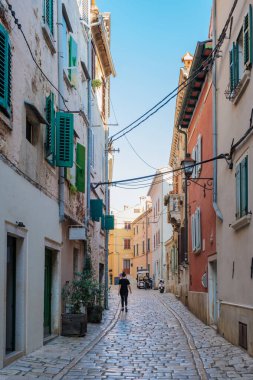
{"type": "Point", "coordinates": [193, 231]}
{"type": "Point", "coordinates": [194, 158]}
{"type": "Point", "coordinates": [198, 229]}
{"type": "Point", "coordinates": [199, 154]}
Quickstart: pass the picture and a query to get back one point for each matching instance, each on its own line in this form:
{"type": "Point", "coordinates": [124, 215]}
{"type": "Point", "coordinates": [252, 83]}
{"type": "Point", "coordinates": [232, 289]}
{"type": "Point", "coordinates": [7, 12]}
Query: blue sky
{"type": "Point", "coordinates": [148, 40]}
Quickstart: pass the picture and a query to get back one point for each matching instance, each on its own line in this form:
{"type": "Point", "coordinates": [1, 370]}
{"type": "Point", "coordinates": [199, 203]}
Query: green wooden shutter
{"type": "Point", "coordinates": [50, 132]}
{"type": "Point", "coordinates": [5, 70]}
{"type": "Point", "coordinates": [64, 139]}
{"type": "Point", "coordinates": [238, 191]}
{"type": "Point", "coordinates": [72, 60]}
{"type": "Point", "coordinates": [80, 168]}
{"type": "Point", "coordinates": [49, 14]}
{"type": "Point", "coordinates": [236, 64]}
{"type": "Point", "coordinates": [244, 187]}
{"type": "Point", "coordinates": [247, 37]}
{"type": "Point", "coordinates": [231, 64]}
{"type": "Point", "coordinates": [96, 209]}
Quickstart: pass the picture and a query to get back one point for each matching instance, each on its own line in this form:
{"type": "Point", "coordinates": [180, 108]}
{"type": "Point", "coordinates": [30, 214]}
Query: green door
{"type": "Point", "coordinates": [47, 292]}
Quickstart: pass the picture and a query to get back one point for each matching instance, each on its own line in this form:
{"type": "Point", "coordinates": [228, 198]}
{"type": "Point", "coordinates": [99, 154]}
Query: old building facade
{"type": "Point", "coordinates": [233, 126]}
{"type": "Point", "coordinates": [177, 267]}
{"type": "Point", "coordinates": [44, 133]}
{"type": "Point", "coordinates": [142, 241]}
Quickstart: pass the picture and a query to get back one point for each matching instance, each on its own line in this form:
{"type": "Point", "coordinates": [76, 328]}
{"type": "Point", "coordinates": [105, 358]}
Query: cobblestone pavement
{"type": "Point", "coordinates": [157, 339]}
{"type": "Point", "coordinates": [55, 357]}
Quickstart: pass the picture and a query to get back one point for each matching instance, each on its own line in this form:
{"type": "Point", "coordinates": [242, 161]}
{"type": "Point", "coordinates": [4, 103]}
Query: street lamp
{"type": "Point", "coordinates": [188, 166]}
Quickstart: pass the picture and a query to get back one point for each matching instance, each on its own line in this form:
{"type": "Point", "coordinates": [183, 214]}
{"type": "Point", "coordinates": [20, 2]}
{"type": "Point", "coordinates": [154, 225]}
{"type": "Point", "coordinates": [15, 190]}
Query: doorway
{"type": "Point", "coordinates": [11, 295]}
{"type": "Point", "coordinates": [47, 292]}
{"type": "Point", "coordinates": [212, 292]}
{"type": "Point", "coordinates": [126, 266]}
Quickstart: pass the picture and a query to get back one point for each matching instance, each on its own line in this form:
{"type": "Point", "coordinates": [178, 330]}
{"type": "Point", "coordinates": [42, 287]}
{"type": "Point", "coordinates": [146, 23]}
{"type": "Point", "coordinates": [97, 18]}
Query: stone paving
{"type": "Point", "coordinates": [157, 339]}
{"type": "Point", "coordinates": [53, 358]}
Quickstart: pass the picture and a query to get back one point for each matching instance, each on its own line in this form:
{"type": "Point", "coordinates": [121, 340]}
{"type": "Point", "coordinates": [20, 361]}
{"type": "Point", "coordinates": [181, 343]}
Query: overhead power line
{"type": "Point", "coordinates": [137, 154]}
{"type": "Point", "coordinates": [204, 66]}
{"type": "Point", "coordinates": [133, 180]}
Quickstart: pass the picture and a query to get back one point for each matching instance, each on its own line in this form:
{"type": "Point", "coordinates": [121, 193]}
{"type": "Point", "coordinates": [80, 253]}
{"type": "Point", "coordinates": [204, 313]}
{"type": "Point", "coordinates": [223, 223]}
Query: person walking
{"type": "Point", "coordinates": [124, 286]}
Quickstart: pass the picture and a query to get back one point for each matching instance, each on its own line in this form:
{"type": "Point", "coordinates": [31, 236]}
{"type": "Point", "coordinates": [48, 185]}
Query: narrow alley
{"type": "Point", "coordinates": [157, 339]}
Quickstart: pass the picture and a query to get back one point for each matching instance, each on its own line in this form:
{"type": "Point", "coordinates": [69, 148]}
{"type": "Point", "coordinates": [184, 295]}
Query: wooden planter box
{"type": "Point", "coordinates": [95, 314]}
{"type": "Point", "coordinates": [73, 324]}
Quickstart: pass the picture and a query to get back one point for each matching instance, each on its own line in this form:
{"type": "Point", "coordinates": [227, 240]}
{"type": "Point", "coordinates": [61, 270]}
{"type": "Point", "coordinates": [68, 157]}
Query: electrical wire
{"type": "Point", "coordinates": [154, 112]}
{"type": "Point", "coordinates": [204, 66]}
{"type": "Point", "coordinates": [137, 154]}
{"type": "Point", "coordinates": [220, 156]}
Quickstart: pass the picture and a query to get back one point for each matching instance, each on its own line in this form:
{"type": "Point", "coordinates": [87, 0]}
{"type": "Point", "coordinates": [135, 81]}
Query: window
{"type": "Point", "coordinates": [196, 230]}
{"type": "Point", "coordinates": [5, 71]}
{"type": "Point", "coordinates": [154, 241]}
{"type": "Point", "coordinates": [29, 131]}
{"type": "Point", "coordinates": [49, 14]}
{"type": "Point", "coordinates": [134, 250]}
{"type": "Point", "coordinates": [32, 129]}
{"type": "Point", "coordinates": [241, 176]}
{"type": "Point", "coordinates": [197, 156]}
{"type": "Point", "coordinates": [127, 226]}
{"type": "Point", "coordinates": [127, 244]}
{"type": "Point", "coordinates": [50, 129]}
{"type": "Point", "coordinates": [148, 245]}
{"type": "Point", "coordinates": [137, 249]}
{"type": "Point", "coordinates": [143, 245]}
{"type": "Point", "coordinates": [137, 229]}
{"type": "Point", "coordinates": [70, 50]}
{"type": "Point", "coordinates": [240, 55]}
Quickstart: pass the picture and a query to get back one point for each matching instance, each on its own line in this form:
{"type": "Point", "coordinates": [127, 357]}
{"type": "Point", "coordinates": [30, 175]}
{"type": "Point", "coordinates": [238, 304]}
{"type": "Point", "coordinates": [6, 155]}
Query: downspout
{"type": "Point", "coordinates": [186, 200]}
{"type": "Point", "coordinates": [89, 120]}
{"type": "Point", "coordinates": [107, 212]}
{"type": "Point", "coordinates": [89, 142]}
{"type": "Point", "coordinates": [215, 162]}
{"type": "Point", "coordinates": [60, 100]}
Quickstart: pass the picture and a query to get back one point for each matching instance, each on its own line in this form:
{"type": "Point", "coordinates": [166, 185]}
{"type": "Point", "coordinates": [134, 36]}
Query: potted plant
{"type": "Point", "coordinates": [95, 308]}
{"type": "Point", "coordinates": [82, 297]}
{"type": "Point", "coordinates": [76, 295]}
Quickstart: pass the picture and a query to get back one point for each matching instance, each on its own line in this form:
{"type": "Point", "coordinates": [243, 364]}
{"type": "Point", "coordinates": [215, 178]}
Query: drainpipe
{"type": "Point", "coordinates": [89, 142]}
{"type": "Point", "coordinates": [107, 212]}
{"type": "Point", "coordinates": [60, 101]}
{"type": "Point", "coordinates": [89, 120]}
{"type": "Point", "coordinates": [186, 200]}
{"type": "Point", "coordinates": [215, 162]}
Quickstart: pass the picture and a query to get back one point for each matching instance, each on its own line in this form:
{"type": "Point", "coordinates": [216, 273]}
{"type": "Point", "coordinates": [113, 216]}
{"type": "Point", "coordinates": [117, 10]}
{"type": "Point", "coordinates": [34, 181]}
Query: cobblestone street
{"type": "Point", "coordinates": [157, 339]}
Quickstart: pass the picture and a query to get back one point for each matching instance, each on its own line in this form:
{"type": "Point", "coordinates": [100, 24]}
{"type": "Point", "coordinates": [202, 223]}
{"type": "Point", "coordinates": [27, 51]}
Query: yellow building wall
{"type": "Point", "coordinates": [117, 252]}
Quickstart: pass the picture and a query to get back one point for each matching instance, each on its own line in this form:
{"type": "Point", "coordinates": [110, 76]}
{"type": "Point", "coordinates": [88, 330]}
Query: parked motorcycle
{"type": "Point", "coordinates": [161, 286]}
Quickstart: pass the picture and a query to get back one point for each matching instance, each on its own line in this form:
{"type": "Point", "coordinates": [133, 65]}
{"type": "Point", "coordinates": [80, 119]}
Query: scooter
{"type": "Point", "coordinates": [161, 286]}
